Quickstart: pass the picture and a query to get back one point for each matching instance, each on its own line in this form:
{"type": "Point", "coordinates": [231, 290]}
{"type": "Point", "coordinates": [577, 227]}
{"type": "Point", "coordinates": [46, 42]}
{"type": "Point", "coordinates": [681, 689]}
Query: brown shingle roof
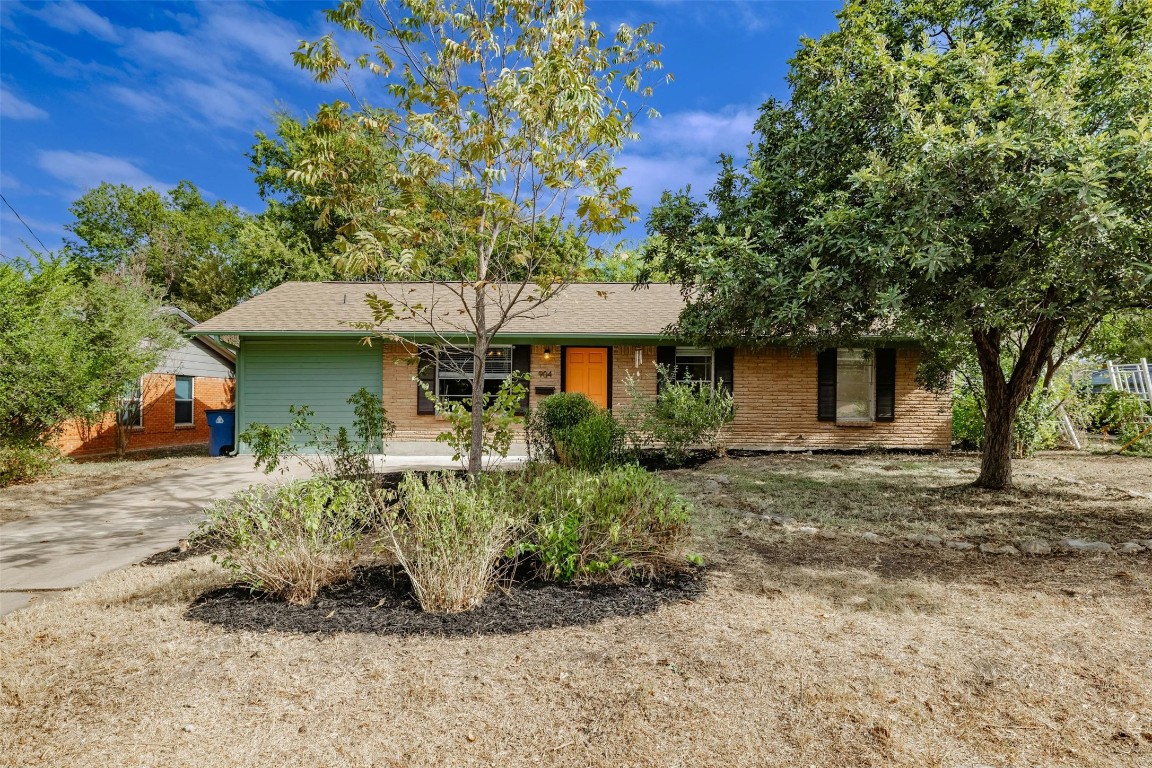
{"type": "Point", "coordinates": [580, 309]}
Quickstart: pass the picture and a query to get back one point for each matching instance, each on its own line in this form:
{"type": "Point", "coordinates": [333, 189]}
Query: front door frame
{"type": "Point", "coordinates": [564, 366]}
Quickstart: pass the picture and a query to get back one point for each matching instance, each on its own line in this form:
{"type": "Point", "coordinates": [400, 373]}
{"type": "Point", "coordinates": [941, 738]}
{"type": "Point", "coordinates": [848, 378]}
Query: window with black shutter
{"type": "Point", "coordinates": [885, 385]}
{"type": "Point", "coordinates": [427, 377]}
{"type": "Point", "coordinates": [856, 385]}
{"type": "Point", "coordinates": [666, 360]}
{"type": "Point", "coordinates": [522, 364]}
{"type": "Point", "coordinates": [725, 365]}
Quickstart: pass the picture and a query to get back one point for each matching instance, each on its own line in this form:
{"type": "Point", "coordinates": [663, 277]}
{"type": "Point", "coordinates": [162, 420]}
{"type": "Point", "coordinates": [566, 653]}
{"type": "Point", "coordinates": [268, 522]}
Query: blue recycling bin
{"type": "Point", "coordinates": [221, 431]}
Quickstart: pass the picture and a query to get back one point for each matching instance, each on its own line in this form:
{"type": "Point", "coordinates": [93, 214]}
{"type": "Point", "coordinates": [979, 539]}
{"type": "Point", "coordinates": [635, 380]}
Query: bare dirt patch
{"type": "Point", "coordinates": [79, 480]}
{"type": "Point", "coordinates": [801, 651]}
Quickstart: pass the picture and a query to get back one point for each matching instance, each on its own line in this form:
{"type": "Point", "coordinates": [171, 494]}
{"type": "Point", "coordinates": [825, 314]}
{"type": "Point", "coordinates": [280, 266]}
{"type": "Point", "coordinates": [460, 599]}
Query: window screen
{"type": "Point", "coordinates": [854, 385]}
{"type": "Point", "coordinates": [184, 400]}
{"type": "Point", "coordinates": [694, 364]}
{"type": "Point", "coordinates": [455, 367]}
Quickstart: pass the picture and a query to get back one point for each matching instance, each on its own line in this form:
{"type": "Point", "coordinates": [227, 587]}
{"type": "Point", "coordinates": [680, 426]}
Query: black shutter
{"type": "Point", "coordinates": [885, 385]}
{"type": "Point", "coordinates": [826, 385]}
{"type": "Point", "coordinates": [723, 364]}
{"type": "Point", "coordinates": [665, 358]}
{"type": "Point", "coordinates": [522, 363]}
{"type": "Point", "coordinates": [427, 375]}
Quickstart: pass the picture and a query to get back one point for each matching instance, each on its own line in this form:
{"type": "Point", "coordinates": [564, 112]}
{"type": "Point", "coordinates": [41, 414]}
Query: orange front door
{"type": "Point", "coordinates": [586, 370]}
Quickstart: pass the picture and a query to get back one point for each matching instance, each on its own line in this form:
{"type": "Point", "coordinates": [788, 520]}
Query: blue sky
{"type": "Point", "coordinates": [150, 93]}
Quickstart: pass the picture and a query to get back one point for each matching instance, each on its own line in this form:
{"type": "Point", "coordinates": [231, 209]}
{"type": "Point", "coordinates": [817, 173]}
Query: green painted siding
{"type": "Point", "coordinates": [321, 374]}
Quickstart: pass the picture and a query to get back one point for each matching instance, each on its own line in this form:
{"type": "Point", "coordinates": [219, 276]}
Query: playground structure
{"type": "Point", "coordinates": [1136, 379]}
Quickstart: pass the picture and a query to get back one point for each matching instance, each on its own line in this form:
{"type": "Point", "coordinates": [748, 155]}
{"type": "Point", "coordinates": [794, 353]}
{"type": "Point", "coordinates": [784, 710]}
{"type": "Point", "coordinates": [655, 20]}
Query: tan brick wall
{"type": "Point", "coordinates": [400, 389]}
{"type": "Point", "coordinates": [775, 393]}
{"type": "Point", "coordinates": [159, 430]}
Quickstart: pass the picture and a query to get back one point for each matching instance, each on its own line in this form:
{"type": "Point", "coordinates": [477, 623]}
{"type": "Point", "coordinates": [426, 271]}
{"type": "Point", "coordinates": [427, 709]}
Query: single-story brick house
{"type": "Point", "coordinates": [299, 345]}
{"type": "Point", "coordinates": [196, 376]}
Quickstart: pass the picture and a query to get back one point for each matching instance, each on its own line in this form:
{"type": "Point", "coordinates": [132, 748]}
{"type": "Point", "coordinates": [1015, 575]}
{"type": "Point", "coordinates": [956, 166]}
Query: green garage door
{"type": "Point", "coordinates": [272, 375]}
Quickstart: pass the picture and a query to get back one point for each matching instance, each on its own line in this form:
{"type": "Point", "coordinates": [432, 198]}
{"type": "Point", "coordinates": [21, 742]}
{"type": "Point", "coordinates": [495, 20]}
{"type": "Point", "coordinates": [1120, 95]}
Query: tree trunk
{"type": "Point", "coordinates": [1003, 397]}
{"type": "Point", "coordinates": [996, 460]}
{"type": "Point", "coordinates": [480, 354]}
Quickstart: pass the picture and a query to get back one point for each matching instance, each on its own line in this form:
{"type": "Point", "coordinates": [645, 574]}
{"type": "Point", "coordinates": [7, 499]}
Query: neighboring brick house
{"type": "Point", "coordinates": [299, 345]}
{"type": "Point", "coordinates": [196, 376]}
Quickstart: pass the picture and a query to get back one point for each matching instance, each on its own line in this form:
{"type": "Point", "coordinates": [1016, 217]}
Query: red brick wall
{"type": "Point", "coordinates": [159, 430]}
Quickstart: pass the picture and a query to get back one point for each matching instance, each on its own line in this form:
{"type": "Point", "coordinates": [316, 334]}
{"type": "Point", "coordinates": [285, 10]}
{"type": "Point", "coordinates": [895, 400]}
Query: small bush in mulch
{"type": "Point", "coordinates": [378, 600]}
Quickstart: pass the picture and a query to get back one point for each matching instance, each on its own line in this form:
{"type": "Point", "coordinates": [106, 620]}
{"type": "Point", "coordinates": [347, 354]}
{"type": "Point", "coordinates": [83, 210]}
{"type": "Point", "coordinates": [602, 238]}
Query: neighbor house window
{"type": "Point", "coordinates": [855, 385]}
{"type": "Point", "coordinates": [455, 367]}
{"type": "Point", "coordinates": [130, 409]}
{"type": "Point", "coordinates": [184, 400]}
{"type": "Point", "coordinates": [695, 365]}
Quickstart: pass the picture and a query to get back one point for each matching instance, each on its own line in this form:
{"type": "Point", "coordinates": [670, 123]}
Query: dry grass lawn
{"type": "Point", "coordinates": [74, 481]}
{"type": "Point", "coordinates": [802, 652]}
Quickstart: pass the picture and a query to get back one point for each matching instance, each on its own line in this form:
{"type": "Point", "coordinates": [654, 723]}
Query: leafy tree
{"type": "Point", "coordinates": [972, 173]}
{"type": "Point", "coordinates": [504, 120]}
{"type": "Point", "coordinates": [348, 176]}
{"type": "Point", "coordinates": [205, 257]}
{"type": "Point", "coordinates": [71, 345]}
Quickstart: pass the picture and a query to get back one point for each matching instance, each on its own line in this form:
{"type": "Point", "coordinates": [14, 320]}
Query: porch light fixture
{"type": "Point", "coordinates": [639, 357]}
{"type": "Point", "coordinates": [547, 353]}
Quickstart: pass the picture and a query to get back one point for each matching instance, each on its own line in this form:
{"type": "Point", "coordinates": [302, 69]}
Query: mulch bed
{"type": "Point", "coordinates": [378, 600]}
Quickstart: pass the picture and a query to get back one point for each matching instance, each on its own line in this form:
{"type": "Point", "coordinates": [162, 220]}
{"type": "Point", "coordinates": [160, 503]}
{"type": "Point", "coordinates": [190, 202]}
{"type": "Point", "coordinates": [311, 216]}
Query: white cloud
{"type": "Point", "coordinates": [76, 18]}
{"type": "Point", "coordinates": [710, 133]}
{"type": "Point", "coordinates": [682, 149]}
{"type": "Point", "coordinates": [84, 170]}
{"type": "Point", "coordinates": [15, 108]}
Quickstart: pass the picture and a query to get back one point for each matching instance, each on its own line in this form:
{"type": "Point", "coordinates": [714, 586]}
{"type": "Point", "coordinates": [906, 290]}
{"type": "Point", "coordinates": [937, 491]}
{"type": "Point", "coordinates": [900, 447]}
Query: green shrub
{"type": "Point", "coordinates": [338, 453]}
{"type": "Point", "coordinates": [291, 540]}
{"type": "Point", "coordinates": [552, 419]}
{"type": "Point", "coordinates": [684, 415]}
{"type": "Point", "coordinates": [967, 420]}
{"type": "Point", "coordinates": [22, 464]}
{"type": "Point", "coordinates": [499, 418]}
{"type": "Point", "coordinates": [448, 534]}
{"type": "Point", "coordinates": [591, 444]}
{"type": "Point", "coordinates": [609, 526]}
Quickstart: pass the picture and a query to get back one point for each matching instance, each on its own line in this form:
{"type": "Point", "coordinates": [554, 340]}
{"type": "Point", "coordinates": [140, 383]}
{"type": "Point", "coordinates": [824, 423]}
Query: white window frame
{"type": "Point", "coordinates": [192, 399]}
{"type": "Point", "coordinates": [697, 352]}
{"type": "Point", "coordinates": [461, 371]}
{"type": "Point", "coordinates": [870, 358]}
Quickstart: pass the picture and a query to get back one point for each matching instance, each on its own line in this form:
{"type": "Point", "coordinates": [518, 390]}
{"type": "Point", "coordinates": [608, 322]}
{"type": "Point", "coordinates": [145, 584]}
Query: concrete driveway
{"type": "Point", "coordinates": [62, 549]}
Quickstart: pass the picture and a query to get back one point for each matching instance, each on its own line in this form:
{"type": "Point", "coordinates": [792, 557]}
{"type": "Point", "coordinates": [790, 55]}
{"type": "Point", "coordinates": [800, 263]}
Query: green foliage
{"type": "Point", "coordinates": [70, 345]}
{"type": "Point", "coordinates": [20, 464]}
{"type": "Point", "coordinates": [967, 419]}
{"type": "Point", "coordinates": [682, 416]}
{"type": "Point", "coordinates": [204, 258]}
{"type": "Point", "coordinates": [503, 121]}
{"type": "Point", "coordinates": [337, 453]}
{"type": "Point", "coordinates": [1123, 415]}
{"type": "Point", "coordinates": [555, 415]}
{"type": "Point", "coordinates": [973, 174]}
{"type": "Point", "coordinates": [607, 526]}
{"type": "Point", "coordinates": [592, 443]}
{"type": "Point", "coordinates": [448, 534]}
{"type": "Point", "coordinates": [294, 539]}
{"type": "Point", "coordinates": [498, 420]}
